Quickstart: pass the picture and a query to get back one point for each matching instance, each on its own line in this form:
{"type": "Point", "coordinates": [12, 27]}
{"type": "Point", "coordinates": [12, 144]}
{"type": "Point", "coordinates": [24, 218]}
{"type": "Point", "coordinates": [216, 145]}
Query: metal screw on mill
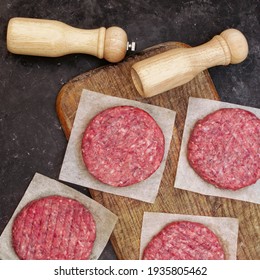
{"type": "Point", "coordinates": [51, 38]}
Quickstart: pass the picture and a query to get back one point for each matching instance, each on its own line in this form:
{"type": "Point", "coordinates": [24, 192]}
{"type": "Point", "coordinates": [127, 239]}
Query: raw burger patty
{"type": "Point", "coordinates": [53, 228]}
{"type": "Point", "coordinates": [184, 240]}
{"type": "Point", "coordinates": [224, 148]}
{"type": "Point", "coordinates": [122, 146]}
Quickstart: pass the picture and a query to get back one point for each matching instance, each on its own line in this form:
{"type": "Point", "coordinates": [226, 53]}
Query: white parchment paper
{"type": "Point", "coordinates": [186, 177]}
{"type": "Point", "coordinates": [42, 186]}
{"type": "Point", "coordinates": [225, 228]}
{"type": "Point", "coordinates": [73, 169]}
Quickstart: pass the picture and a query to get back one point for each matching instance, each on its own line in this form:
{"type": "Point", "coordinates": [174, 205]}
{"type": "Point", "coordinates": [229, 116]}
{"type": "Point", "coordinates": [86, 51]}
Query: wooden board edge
{"type": "Point", "coordinates": [68, 84]}
{"type": "Point", "coordinates": [63, 93]}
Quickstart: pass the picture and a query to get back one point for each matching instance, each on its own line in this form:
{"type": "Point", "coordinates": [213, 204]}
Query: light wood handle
{"type": "Point", "coordinates": [176, 67]}
{"type": "Point", "coordinates": [51, 38]}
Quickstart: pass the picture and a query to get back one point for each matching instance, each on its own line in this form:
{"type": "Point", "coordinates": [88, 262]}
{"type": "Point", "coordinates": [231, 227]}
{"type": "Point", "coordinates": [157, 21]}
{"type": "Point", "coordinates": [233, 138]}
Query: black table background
{"type": "Point", "coordinates": [31, 138]}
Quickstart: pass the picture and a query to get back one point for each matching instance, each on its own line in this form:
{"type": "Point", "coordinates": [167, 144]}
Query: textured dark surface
{"type": "Point", "coordinates": [31, 138]}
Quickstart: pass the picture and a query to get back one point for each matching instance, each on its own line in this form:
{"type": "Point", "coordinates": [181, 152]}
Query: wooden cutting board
{"type": "Point", "coordinates": [115, 80]}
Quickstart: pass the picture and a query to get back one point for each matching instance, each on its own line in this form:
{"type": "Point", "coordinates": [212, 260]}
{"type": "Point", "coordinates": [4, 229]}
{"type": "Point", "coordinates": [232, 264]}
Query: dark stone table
{"type": "Point", "coordinates": [31, 138]}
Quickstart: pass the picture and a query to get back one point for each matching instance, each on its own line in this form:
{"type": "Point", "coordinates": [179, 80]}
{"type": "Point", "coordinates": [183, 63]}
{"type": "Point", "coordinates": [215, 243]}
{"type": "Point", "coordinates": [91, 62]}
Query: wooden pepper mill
{"type": "Point", "coordinates": [51, 38]}
{"type": "Point", "coordinates": [176, 67]}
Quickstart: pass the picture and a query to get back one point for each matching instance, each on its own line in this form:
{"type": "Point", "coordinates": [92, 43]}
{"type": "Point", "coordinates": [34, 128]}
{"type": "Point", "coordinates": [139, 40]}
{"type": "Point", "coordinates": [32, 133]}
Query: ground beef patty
{"type": "Point", "coordinates": [122, 146]}
{"type": "Point", "coordinates": [184, 240]}
{"type": "Point", "coordinates": [54, 227]}
{"type": "Point", "coordinates": [224, 148]}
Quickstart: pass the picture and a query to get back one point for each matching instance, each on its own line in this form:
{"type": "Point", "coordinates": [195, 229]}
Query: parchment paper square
{"type": "Point", "coordinates": [225, 228]}
{"type": "Point", "coordinates": [73, 169]}
{"type": "Point", "coordinates": [186, 177]}
{"type": "Point", "coordinates": [42, 186]}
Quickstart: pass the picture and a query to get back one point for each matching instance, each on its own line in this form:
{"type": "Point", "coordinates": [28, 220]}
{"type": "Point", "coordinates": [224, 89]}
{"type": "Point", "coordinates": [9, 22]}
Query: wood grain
{"type": "Point", "coordinates": [115, 80]}
{"type": "Point", "coordinates": [52, 38]}
{"type": "Point", "coordinates": [178, 66]}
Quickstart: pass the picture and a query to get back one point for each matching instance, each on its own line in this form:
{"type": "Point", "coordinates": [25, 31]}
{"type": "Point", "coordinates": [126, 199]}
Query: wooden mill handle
{"type": "Point", "coordinates": [41, 37]}
{"type": "Point", "coordinates": [176, 67]}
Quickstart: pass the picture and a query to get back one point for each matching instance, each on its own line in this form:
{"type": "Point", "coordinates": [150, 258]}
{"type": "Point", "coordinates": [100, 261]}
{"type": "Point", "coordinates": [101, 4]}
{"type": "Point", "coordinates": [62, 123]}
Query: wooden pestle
{"type": "Point", "coordinates": [51, 38]}
{"type": "Point", "coordinates": [176, 67]}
